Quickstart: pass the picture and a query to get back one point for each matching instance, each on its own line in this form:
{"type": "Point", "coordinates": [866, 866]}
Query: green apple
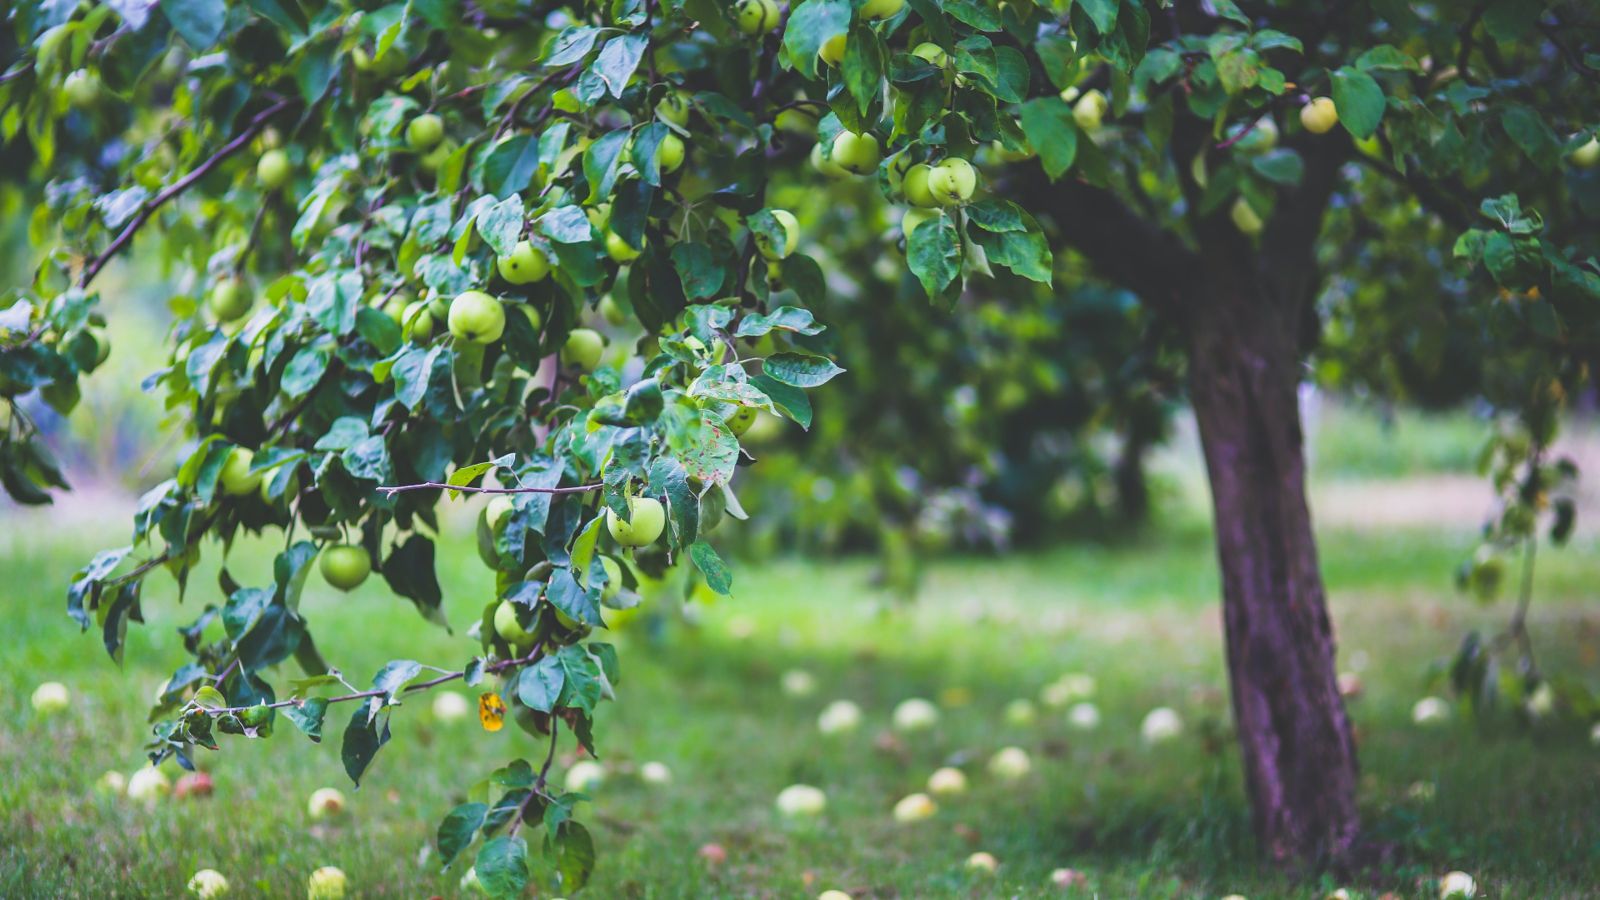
{"type": "Point", "coordinates": [477, 318]}
{"type": "Point", "coordinates": [913, 808]}
{"type": "Point", "coordinates": [613, 578]}
{"type": "Point", "coordinates": [931, 53]}
{"type": "Point", "coordinates": [824, 165]}
{"type": "Point", "coordinates": [345, 566]}
{"type": "Point", "coordinates": [795, 120]}
{"type": "Point", "coordinates": [1587, 156]}
{"type": "Point", "coordinates": [1090, 109]}
{"type": "Point", "coordinates": [620, 250]}
{"type": "Point", "coordinates": [881, 9]}
{"type": "Point", "coordinates": [855, 153]}
{"type": "Point", "coordinates": [917, 186]}
{"type": "Point", "coordinates": [416, 322]}
{"type": "Point", "coordinates": [102, 346]}
{"type": "Point", "coordinates": [327, 883]}
{"type": "Point", "coordinates": [674, 108]}
{"type": "Point", "coordinates": [947, 781]}
{"type": "Point", "coordinates": [832, 50]}
{"type": "Point", "coordinates": [506, 624]}
{"type": "Point", "coordinates": [669, 154]}
{"type": "Point", "coordinates": [82, 88]}
{"type": "Point", "coordinates": [1320, 115]}
{"type": "Point", "coordinates": [437, 308]}
{"type": "Point", "coordinates": [525, 264]}
{"type": "Point", "coordinates": [914, 217]}
{"type": "Point", "coordinates": [647, 519]}
{"type": "Point", "coordinates": [236, 479]}
{"type": "Point", "coordinates": [791, 237]}
{"type": "Point", "coordinates": [325, 803]}
{"type": "Point", "coordinates": [801, 800]}
{"type": "Point", "coordinates": [497, 509]}
{"type": "Point", "coordinates": [50, 698]}
{"type": "Point", "coordinates": [424, 132]}
{"type": "Point", "coordinates": [952, 181]}
{"type": "Point", "coordinates": [741, 420]}
{"type": "Point", "coordinates": [434, 159]}
{"type": "Point", "coordinates": [1262, 136]}
{"type": "Point", "coordinates": [983, 863]}
{"type": "Point", "coordinates": [148, 785]}
{"type": "Point", "coordinates": [1006, 154]}
{"type": "Point", "coordinates": [1010, 763]}
{"type": "Point", "coordinates": [583, 349]}
{"type": "Point", "coordinates": [273, 169]}
{"type": "Point", "coordinates": [757, 16]}
{"type": "Point", "coordinates": [612, 312]}
{"type": "Point", "coordinates": [535, 321]}
{"type": "Point", "coordinates": [1245, 218]}
{"type": "Point", "coordinates": [208, 884]}
{"type": "Point", "coordinates": [230, 299]}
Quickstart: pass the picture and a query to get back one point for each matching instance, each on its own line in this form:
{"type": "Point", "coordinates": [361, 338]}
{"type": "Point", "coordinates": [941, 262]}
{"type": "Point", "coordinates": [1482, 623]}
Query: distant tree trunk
{"type": "Point", "coordinates": [1133, 489]}
{"type": "Point", "coordinates": [1299, 757]}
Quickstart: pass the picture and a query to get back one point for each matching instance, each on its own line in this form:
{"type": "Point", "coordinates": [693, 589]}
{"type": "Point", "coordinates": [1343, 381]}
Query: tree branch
{"type": "Point", "coordinates": [392, 489]}
{"type": "Point", "coordinates": [234, 146]}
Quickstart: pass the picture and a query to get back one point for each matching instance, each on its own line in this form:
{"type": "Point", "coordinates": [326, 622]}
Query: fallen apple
{"type": "Point", "coordinates": [50, 698]}
{"type": "Point", "coordinates": [915, 808]}
{"type": "Point", "coordinates": [655, 773]}
{"type": "Point", "coordinates": [839, 717]}
{"type": "Point", "coordinates": [324, 803]}
{"type": "Point", "coordinates": [1010, 764]}
{"type": "Point", "coordinates": [982, 862]}
{"type": "Point", "coordinates": [801, 801]}
{"type": "Point", "coordinates": [915, 714]}
{"type": "Point", "coordinates": [207, 884]}
{"type": "Point", "coordinates": [327, 883]}
{"type": "Point", "coordinates": [1084, 716]}
{"type": "Point", "coordinates": [584, 775]}
{"type": "Point", "coordinates": [449, 706]}
{"type": "Point", "coordinates": [947, 781]}
{"type": "Point", "coordinates": [1160, 724]}
{"type": "Point", "coordinates": [148, 785]}
{"type": "Point", "coordinates": [798, 683]}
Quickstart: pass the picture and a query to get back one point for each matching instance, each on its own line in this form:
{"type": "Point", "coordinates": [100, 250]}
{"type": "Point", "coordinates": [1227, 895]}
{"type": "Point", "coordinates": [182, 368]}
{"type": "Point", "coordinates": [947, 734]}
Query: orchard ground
{"type": "Point", "coordinates": [1517, 808]}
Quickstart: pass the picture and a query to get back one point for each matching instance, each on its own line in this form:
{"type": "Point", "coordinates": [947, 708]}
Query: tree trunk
{"type": "Point", "coordinates": [1299, 757]}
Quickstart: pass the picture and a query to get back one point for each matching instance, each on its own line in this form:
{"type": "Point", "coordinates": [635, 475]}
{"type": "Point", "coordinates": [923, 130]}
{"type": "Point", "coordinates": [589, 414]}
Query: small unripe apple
{"type": "Point", "coordinates": [345, 566]}
{"type": "Point", "coordinates": [881, 9]}
{"type": "Point", "coordinates": [1245, 218]}
{"type": "Point", "coordinates": [525, 264]}
{"type": "Point", "coordinates": [1587, 156]}
{"type": "Point", "coordinates": [1006, 154]}
{"type": "Point", "coordinates": [612, 312]}
{"type": "Point", "coordinates": [983, 863]}
{"type": "Point", "coordinates": [801, 800]}
{"type": "Point", "coordinates": [1090, 110]}
{"type": "Point", "coordinates": [1010, 764]}
{"type": "Point", "coordinates": [931, 53]}
{"type": "Point", "coordinates": [791, 237]}
{"type": "Point", "coordinates": [327, 883]}
{"type": "Point", "coordinates": [916, 186]}
{"type": "Point", "coordinates": [740, 421]}
{"type": "Point", "coordinates": [757, 16]}
{"type": "Point", "coordinates": [325, 803]}
{"type": "Point", "coordinates": [839, 717]}
{"type": "Point", "coordinates": [795, 120]}
{"type": "Point", "coordinates": [1160, 724]}
{"type": "Point", "coordinates": [477, 318]}
{"type": "Point", "coordinates": [584, 775]}
{"type": "Point", "coordinates": [208, 884]}
{"type": "Point", "coordinates": [669, 154]}
{"type": "Point", "coordinates": [506, 624]}
{"type": "Point", "coordinates": [855, 153]}
{"type": "Point", "coordinates": [832, 50]}
{"type": "Point", "coordinates": [915, 217]}
{"type": "Point", "coordinates": [50, 698]}
{"type": "Point", "coordinates": [915, 714]}
{"type": "Point", "coordinates": [434, 159]}
{"type": "Point", "coordinates": [824, 165]}
{"type": "Point", "coordinates": [229, 300]}
{"type": "Point", "coordinates": [82, 88]}
{"type": "Point", "coordinates": [236, 479]}
{"type": "Point", "coordinates": [416, 322]}
{"type": "Point", "coordinates": [424, 132]}
{"type": "Point", "coordinates": [620, 250]}
{"type": "Point", "coordinates": [583, 349]}
{"type": "Point", "coordinates": [148, 785]}
{"type": "Point", "coordinates": [102, 346]}
{"type": "Point", "coordinates": [647, 519]}
{"type": "Point", "coordinates": [273, 169]}
{"type": "Point", "coordinates": [1320, 115]}
{"type": "Point", "coordinates": [952, 181]}
{"type": "Point", "coordinates": [674, 108]}
{"type": "Point", "coordinates": [915, 808]}
{"type": "Point", "coordinates": [1260, 138]}
{"type": "Point", "coordinates": [947, 781]}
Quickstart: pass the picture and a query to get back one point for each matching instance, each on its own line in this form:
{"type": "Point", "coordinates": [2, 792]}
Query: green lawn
{"type": "Point", "coordinates": [1520, 811]}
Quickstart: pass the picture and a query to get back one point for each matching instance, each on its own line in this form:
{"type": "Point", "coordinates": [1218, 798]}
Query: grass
{"type": "Point", "coordinates": [1519, 810]}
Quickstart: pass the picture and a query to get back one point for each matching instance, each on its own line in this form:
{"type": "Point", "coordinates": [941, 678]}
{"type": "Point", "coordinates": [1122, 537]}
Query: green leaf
{"type": "Point", "coordinates": [992, 214]}
{"type": "Point", "coordinates": [1026, 253]}
{"type": "Point", "coordinates": [1387, 56]}
{"type": "Point", "coordinates": [718, 577]}
{"type": "Point", "coordinates": [810, 25]}
{"type": "Point", "coordinates": [572, 45]}
{"type": "Point", "coordinates": [502, 866]}
{"type": "Point", "coordinates": [393, 677]}
{"type": "Point", "coordinates": [539, 685]}
{"type": "Point", "coordinates": [307, 716]}
{"type": "Point", "coordinates": [566, 594]}
{"type": "Point", "coordinates": [979, 17]}
{"type": "Point", "coordinates": [800, 370]}
{"type": "Point", "coordinates": [409, 572]}
{"type": "Point", "coordinates": [698, 269]}
{"type": "Point", "coordinates": [934, 253]}
{"type": "Point", "coordinates": [582, 688]}
{"type": "Point", "coordinates": [1532, 135]}
{"type": "Point", "coordinates": [573, 850]}
{"type": "Point", "coordinates": [363, 738]}
{"type": "Point", "coordinates": [1103, 13]}
{"type": "Point", "coordinates": [1281, 166]}
{"type": "Point", "coordinates": [509, 167]}
{"type": "Point", "coordinates": [304, 371]}
{"type": "Point", "coordinates": [784, 318]}
{"type": "Point", "coordinates": [790, 400]}
{"type": "Point", "coordinates": [1359, 100]}
{"type": "Point", "coordinates": [1048, 124]}
{"type": "Point", "coordinates": [502, 225]}
{"type": "Point", "coordinates": [601, 161]}
{"type": "Point", "coordinates": [457, 830]}
{"type": "Point", "coordinates": [198, 22]}
{"type": "Point", "coordinates": [618, 59]}
{"type": "Point", "coordinates": [863, 65]}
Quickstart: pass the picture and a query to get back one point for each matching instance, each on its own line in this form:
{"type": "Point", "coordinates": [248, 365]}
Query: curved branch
{"type": "Point", "coordinates": [392, 489]}
{"type": "Point", "coordinates": [234, 146]}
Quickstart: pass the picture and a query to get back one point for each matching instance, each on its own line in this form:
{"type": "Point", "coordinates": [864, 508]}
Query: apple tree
{"type": "Point", "coordinates": [397, 226]}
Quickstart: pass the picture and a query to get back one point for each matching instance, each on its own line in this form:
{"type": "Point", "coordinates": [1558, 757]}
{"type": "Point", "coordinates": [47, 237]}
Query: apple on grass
{"type": "Point", "coordinates": [801, 801]}
{"type": "Point", "coordinates": [915, 808]}
{"type": "Point", "coordinates": [833, 895]}
{"type": "Point", "coordinates": [1068, 878]}
{"type": "Point", "coordinates": [325, 802]}
{"type": "Point", "coordinates": [983, 863]}
{"type": "Point", "coordinates": [915, 714]}
{"type": "Point", "coordinates": [112, 782]}
{"type": "Point", "coordinates": [1020, 713]}
{"type": "Point", "coordinates": [585, 774]}
{"type": "Point", "coordinates": [193, 784]}
{"type": "Point", "coordinates": [647, 518]}
{"type": "Point", "coordinates": [477, 318]}
{"type": "Point", "coordinates": [1160, 725]}
{"type": "Point", "coordinates": [1010, 764]}
{"type": "Point", "coordinates": [839, 717]}
{"type": "Point", "coordinates": [655, 773]}
{"type": "Point", "coordinates": [449, 706]}
{"type": "Point", "coordinates": [345, 566]}
{"type": "Point", "coordinates": [1084, 716]}
{"type": "Point", "coordinates": [148, 785]}
{"type": "Point", "coordinates": [798, 683]}
{"type": "Point", "coordinates": [327, 883]}
{"type": "Point", "coordinates": [50, 698]}
{"type": "Point", "coordinates": [207, 884]}
{"type": "Point", "coordinates": [1457, 886]}
{"type": "Point", "coordinates": [947, 781]}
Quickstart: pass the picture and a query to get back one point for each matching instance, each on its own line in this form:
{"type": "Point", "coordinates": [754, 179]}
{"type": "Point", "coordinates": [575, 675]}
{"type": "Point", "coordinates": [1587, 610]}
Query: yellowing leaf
{"type": "Point", "coordinates": [491, 711]}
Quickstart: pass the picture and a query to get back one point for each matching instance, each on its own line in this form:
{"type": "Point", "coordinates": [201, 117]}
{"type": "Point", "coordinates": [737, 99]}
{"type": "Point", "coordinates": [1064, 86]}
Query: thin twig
{"type": "Point", "coordinates": [392, 489]}
{"type": "Point", "coordinates": [234, 146]}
